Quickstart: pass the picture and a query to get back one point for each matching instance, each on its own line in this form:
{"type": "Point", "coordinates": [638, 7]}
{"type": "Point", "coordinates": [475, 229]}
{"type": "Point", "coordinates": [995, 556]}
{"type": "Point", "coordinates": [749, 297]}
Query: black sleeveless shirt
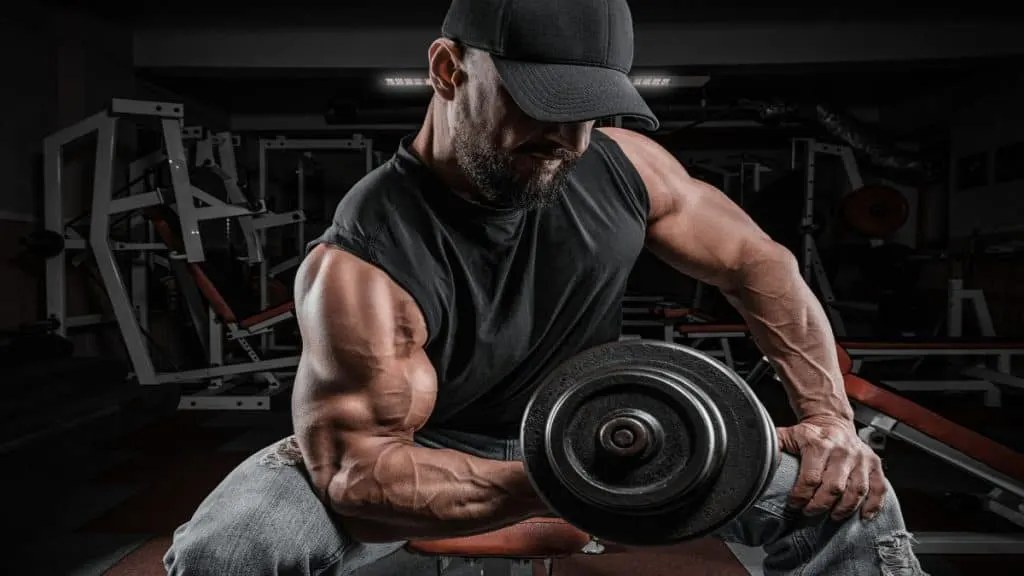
{"type": "Point", "coordinates": [507, 295]}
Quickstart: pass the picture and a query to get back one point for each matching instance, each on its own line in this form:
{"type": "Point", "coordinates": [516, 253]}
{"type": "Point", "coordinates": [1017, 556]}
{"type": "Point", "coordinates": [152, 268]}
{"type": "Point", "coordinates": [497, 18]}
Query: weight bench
{"type": "Point", "coordinates": [684, 315]}
{"type": "Point", "coordinates": [695, 334]}
{"type": "Point", "coordinates": [933, 347]}
{"type": "Point", "coordinates": [661, 316]}
{"type": "Point", "coordinates": [982, 378]}
{"type": "Point", "coordinates": [885, 414]}
{"type": "Point", "coordinates": [218, 314]}
{"type": "Point", "coordinates": [510, 551]}
{"type": "Point", "coordinates": [164, 220]}
{"type": "Point", "coordinates": [690, 325]}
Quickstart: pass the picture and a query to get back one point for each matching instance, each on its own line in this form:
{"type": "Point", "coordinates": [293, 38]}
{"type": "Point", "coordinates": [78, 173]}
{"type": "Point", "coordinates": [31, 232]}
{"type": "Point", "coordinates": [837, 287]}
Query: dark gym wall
{"type": "Point", "coordinates": [987, 141]}
{"type": "Point", "coordinates": [986, 195]}
{"type": "Point", "coordinates": [29, 92]}
{"type": "Point", "coordinates": [61, 66]}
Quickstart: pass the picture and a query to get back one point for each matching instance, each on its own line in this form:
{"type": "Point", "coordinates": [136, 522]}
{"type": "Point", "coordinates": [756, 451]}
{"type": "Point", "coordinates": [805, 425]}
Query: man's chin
{"type": "Point", "coordinates": [540, 197]}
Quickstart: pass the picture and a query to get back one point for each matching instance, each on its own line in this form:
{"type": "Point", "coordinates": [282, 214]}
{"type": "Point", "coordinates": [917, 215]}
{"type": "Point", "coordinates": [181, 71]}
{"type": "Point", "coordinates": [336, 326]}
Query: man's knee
{"type": "Point", "coordinates": [885, 535]}
{"type": "Point", "coordinates": [263, 518]}
{"type": "Point", "coordinates": [820, 544]}
{"type": "Point", "coordinates": [199, 556]}
{"type": "Point", "coordinates": [775, 498]}
{"type": "Point", "coordinates": [890, 537]}
{"type": "Point", "coordinates": [881, 544]}
{"type": "Point", "coordinates": [235, 544]}
{"type": "Point", "coordinates": [248, 542]}
{"type": "Point", "coordinates": [890, 513]}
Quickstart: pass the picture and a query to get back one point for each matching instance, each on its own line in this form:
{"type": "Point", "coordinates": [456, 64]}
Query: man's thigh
{"type": "Point", "coordinates": [799, 544]}
{"type": "Point", "coordinates": [265, 518]}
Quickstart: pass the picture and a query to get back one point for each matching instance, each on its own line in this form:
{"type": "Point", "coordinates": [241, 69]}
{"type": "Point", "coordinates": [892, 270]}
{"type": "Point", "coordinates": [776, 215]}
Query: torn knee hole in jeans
{"type": "Point", "coordinates": [284, 453]}
{"type": "Point", "coordinates": [897, 554]}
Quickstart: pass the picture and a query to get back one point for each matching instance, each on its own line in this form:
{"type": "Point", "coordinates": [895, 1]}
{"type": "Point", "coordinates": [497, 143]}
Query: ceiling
{"type": "Point", "coordinates": [356, 93]}
{"type": "Point", "coordinates": [910, 101]}
{"type": "Point", "coordinates": [416, 12]}
{"type": "Point", "coordinates": [283, 92]}
{"type": "Point", "coordinates": [907, 104]}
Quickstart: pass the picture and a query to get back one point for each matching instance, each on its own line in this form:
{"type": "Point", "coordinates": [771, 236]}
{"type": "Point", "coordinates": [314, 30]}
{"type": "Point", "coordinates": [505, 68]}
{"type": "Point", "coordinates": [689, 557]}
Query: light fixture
{"type": "Point", "coordinates": [643, 81]}
{"type": "Point", "coordinates": [406, 82]}
{"type": "Point", "coordinates": [652, 81]}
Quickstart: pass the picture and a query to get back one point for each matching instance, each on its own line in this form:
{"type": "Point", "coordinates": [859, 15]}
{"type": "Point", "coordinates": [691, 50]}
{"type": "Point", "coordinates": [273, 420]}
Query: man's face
{"type": "Point", "coordinates": [513, 160]}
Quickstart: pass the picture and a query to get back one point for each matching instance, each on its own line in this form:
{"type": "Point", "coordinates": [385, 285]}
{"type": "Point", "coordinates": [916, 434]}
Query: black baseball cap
{"type": "Point", "coordinates": [560, 60]}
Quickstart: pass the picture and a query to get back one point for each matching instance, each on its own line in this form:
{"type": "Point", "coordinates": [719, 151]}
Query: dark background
{"type": "Point", "coordinates": [928, 97]}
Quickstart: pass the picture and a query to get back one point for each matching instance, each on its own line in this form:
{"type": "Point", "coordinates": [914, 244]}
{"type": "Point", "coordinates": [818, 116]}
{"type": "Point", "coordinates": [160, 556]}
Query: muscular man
{"type": "Point", "coordinates": [494, 245]}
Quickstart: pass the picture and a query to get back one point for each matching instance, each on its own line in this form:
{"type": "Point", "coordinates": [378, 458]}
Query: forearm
{"type": "Point", "coordinates": [415, 492]}
{"type": "Point", "coordinates": [790, 326]}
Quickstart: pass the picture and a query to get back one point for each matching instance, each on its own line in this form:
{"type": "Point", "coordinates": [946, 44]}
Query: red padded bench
{"type": "Point", "coordinates": [971, 443]}
{"type": "Point", "coordinates": [534, 538]}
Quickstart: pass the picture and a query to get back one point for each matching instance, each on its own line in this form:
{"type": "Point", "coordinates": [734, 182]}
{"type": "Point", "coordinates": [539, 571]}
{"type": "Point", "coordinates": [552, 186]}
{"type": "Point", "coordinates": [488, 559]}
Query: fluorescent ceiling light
{"type": "Point", "coordinates": [652, 81]}
{"type": "Point", "coordinates": [667, 81]}
{"type": "Point", "coordinates": [643, 81]}
{"type": "Point", "coordinates": [406, 82]}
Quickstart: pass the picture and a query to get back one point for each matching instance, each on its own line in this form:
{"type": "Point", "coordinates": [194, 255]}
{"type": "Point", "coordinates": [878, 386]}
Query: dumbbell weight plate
{"type": "Point", "coordinates": [647, 443]}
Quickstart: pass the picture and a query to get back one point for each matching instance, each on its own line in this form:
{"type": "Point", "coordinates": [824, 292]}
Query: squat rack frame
{"type": "Point", "coordinates": [267, 145]}
{"type": "Point", "coordinates": [126, 312]}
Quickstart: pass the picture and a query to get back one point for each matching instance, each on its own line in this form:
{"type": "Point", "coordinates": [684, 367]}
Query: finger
{"type": "Point", "coordinates": [876, 490]}
{"type": "Point", "coordinates": [812, 470]}
{"type": "Point", "coordinates": [833, 482]}
{"type": "Point", "coordinates": [856, 492]}
{"type": "Point", "coordinates": [787, 441]}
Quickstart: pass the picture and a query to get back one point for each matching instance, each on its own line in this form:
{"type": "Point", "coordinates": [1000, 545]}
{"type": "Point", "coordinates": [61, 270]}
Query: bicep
{"type": "Point", "coordinates": [363, 380]}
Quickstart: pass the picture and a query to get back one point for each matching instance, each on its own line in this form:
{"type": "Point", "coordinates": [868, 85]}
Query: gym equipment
{"type": "Point", "coordinates": [983, 379]}
{"type": "Point", "coordinates": [890, 207]}
{"type": "Point", "coordinates": [875, 211]}
{"type": "Point", "coordinates": [510, 551]}
{"type": "Point", "coordinates": [222, 315]}
{"type": "Point", "coordinates": [692, 328]}
{"type": "Point", "coordinates": [181, 248]}
{"type": "Point", "coordinates": [192, 204]}
{"type": "Point", "coordinates": [215, 156]}
{"type": "Point", "coordinates": [647, 443]}
{"type": "Point", "coordinates": [266, 146]}
{"type": "Point", "coordinates": [805, 154]}
{"type": "Point", "coordinates": [687, 325]}
{"type": "Point", "coordinates": [987, 379]}
{"type": "Point", "coordinates": [788, 211]}
{"type": "Point", "coordinates": [214, 159]}
{"type": "Point", "coordinates": [884, 414]}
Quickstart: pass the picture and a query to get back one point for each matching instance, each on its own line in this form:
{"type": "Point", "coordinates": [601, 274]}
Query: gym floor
{"type": "Point", "coordinates": [104, 497]}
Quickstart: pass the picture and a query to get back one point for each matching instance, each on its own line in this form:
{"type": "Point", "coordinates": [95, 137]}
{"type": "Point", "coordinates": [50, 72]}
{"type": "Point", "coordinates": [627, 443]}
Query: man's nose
{"type": "Point", "coordinates": [573, 136]}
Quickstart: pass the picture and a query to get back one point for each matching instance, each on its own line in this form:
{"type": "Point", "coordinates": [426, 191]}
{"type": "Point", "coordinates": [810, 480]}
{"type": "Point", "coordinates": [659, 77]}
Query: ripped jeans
{"type": "Point", "coordinates": [264, 518]}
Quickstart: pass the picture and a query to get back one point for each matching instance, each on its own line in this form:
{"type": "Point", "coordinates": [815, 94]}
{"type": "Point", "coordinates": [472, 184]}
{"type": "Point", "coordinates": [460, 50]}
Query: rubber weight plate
{"type": "Point", "coordinates": [647, 443]}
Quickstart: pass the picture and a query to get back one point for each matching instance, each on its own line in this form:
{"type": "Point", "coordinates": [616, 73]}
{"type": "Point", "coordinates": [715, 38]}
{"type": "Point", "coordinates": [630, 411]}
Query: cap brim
{"type": "Point", "coordinates": [572, 93]}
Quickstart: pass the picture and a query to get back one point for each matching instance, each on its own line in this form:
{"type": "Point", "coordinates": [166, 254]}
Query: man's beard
{"type": "Point", "coordinates": [492, 172]}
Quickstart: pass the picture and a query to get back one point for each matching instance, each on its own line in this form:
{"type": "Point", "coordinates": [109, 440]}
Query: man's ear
{"type": "Point", "coordinates": [446, 71]}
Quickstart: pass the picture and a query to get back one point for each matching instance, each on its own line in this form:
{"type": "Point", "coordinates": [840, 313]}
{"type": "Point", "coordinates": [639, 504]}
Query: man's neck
{"type": "Point", "coordinates": [434, 146]}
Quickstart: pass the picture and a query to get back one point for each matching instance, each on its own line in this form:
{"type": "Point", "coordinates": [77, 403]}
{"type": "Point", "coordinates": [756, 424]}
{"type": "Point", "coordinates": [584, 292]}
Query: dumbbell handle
{"type": "Point", "coordinates": [759, 371]}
